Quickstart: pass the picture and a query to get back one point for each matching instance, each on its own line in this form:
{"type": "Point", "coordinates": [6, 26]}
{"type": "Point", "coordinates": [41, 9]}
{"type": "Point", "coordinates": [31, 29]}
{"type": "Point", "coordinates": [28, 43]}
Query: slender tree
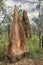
{"type": "Point", "coordinates": [39, 21]}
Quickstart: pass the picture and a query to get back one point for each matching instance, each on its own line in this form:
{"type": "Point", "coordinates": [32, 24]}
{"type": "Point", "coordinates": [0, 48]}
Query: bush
{"type": "Point", "coordinates": [35, 51]}
{"type": "Point", "coordinates": [3, 43]}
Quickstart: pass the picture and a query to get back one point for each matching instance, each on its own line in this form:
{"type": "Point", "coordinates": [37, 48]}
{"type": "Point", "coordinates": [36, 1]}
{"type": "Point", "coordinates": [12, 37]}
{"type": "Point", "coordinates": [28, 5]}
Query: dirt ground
{"type": "Point", "coordinates": [39, 62]}
{"type": "Point", "coordinates": [26, 61]}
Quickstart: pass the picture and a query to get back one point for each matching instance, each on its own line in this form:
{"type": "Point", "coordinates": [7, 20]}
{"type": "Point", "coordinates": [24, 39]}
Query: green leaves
{"type": "Point", "coordinates": [38, 6]}
{"type": "Point", "coordinates": [36, 20]}
{"type": "Point", "coordinates": [1, 1]}
{"type": "Point", "coordinates": [2, 6]}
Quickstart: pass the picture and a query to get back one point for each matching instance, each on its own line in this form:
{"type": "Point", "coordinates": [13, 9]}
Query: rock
{"type": "Point", "coordinates": [26, 25]}
{"type": "Point", "coordinates": [17, 47]}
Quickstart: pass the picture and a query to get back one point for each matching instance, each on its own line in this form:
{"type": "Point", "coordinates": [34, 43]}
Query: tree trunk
{"type": "Point", "coordinates": [39, 39]}
{"type": "Point", "coordinates": [42, 41]}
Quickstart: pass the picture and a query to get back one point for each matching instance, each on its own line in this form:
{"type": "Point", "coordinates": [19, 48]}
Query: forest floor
{"type": "Point", "coordinates": [35, 53]}
{"type": "Point", "coordinates": [25, 61]}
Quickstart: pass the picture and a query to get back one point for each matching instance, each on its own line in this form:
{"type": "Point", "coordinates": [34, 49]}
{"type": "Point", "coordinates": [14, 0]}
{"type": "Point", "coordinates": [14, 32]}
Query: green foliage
{"type": "Point", "coordinates": [36, 20]}
{"type": "Point", "coordinates": [2, 6]}
{"type": "Point", "coordinates": [20, 11]}
{"type": "Point", "coordinates": [38, 6]}
{"type": "Point", "coordinates": [35, 51]}
{"type": "Point", "coordinates": [1, 1]}
{"type": "Point", "coordinates": [3, 43]}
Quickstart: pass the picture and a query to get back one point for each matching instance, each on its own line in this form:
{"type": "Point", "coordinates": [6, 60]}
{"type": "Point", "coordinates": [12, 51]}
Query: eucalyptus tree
{"type": "Point", "coordinates": [39, 21]}
{"type": "Point", "coordinates": [2, 9]}
{"type": "Point", "coordinates": [6, 11]}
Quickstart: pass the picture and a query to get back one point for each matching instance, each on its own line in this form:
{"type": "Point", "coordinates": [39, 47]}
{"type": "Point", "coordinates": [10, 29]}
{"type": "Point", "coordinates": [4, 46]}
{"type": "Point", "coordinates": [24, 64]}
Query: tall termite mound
{"type": "Point", "coordinates": [17, 47]}
{"type": "Point", "coordinates": [26, 25]}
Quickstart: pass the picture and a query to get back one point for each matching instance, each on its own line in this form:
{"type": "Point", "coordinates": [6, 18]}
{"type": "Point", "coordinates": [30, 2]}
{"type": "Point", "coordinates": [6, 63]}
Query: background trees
{"type": "Point", "coordinates": [39, 21]}
{"type": "Point", "coordinates": [36, 27]}
{"type": "Point", "coordinates": [7, 16]}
